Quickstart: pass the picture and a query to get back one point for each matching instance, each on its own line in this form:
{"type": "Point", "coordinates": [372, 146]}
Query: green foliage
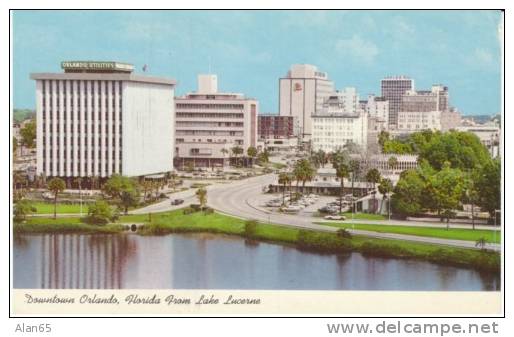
{"type": "Point", "coordinates": [23, 208]}
{"type": "Point", "coordinates": [385, 187]}
{"type": "Point", "coordinates": [488, 186]}
{"type": "Point", "coordinates": [28, 134]}
{"type": "Point", "coordinates": [408, 193]}
{"type": "Point", "coordinates": [373, 176]}
{"type": "Point", "coordinates": [56, 186]}
{"type": "Point", "coordinates": [116, 184]}
{"type": "Point", "coordinates": [344, 233]}
{"type": "Point", "coordinates": [100, 213]}
{"type": "Point", "coordinates": [14, 144]}
{"type": "Point", "coordinates": [382, 249]}
{"type": "Point", "coordinates": [383, 137]}
{"type": "Point", "coordinates": [303, 171]}
{"type": "Point", "coordinates": [321, 241]}
{"type": "Point", "coordinates": [250, 229]}
{"type": "Point", "coordinates": [201, 195]}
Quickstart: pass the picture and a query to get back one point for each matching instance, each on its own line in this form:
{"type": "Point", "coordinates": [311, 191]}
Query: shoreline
{"type": "Point", "coordinates": [308, 240]}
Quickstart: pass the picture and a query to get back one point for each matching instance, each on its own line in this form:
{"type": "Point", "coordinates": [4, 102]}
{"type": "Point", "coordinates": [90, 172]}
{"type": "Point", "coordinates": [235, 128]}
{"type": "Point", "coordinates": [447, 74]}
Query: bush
{"type": "Point", "coordinates": [320, 241]}
{"type": "Point", "coordinates": [250, 229]}
{"type": "Point", "coordinates": [370, 248]}
{"type": "Point", "coordinates": [100, 213]}
{"type": "Point", "coordinates": [344, 233]}
{"type": "Point", "coordinates": [208, 210]}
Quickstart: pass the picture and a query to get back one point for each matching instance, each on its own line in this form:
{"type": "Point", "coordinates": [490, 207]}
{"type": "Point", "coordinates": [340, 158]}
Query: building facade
{"type": "Point", "coordinates": [208, 124]}
{"type": "Point", "coordinates": [302, 93]}
{"type": "Point", "coordinates": [99, 118]}
{"type": "Point", "coordinates": [393, 88]}
{"type": "Point", "coordinates": [333, 131]}
{"type": "Point", "coordinates": [273, 126]}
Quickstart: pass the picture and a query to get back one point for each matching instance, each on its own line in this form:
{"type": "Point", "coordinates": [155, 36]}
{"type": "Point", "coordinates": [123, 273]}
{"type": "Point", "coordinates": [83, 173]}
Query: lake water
{"type": "Point", "coordinates": [205, 261]}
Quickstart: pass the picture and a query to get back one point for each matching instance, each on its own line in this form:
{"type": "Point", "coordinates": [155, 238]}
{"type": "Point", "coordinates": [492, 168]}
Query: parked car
{"type": "Point", "coordinates": [334, 217]}
{"type": "Point", "coordinates": [177, 201]}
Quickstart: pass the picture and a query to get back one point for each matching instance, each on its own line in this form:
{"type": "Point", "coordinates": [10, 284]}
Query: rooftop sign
{"type": "Point", "coordinates": [92, 66]}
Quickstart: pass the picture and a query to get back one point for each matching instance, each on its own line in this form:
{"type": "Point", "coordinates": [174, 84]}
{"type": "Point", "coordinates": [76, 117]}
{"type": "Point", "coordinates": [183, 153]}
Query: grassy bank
{"type": "Point", "coordinates": [436, 232]}
{"type": "Point", "coordinates": [178, 222]}
{"type": "Point", "coordinates": [364, 216]}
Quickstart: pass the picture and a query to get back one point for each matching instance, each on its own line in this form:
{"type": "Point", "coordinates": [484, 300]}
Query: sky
{"type": "Point", "coordinates": [251, 50]}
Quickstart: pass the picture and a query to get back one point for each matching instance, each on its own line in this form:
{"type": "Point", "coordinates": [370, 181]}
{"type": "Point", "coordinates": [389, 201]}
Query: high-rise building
{"type": "Point", "coordinates": [393, 88]}
{"type": "Point", "coordinates": [302, 93]}
{"type": "Point", "coordinates": [209, 124]}
{"type": "Point", "coordinates": [99, 118]}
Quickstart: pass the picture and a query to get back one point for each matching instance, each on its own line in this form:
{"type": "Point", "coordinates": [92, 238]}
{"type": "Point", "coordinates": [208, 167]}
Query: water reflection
{"type": "Point", "coordinates": [218, 262]}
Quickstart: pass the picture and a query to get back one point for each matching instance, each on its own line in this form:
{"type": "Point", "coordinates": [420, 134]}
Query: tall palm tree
{"type": "Point", "coordinates": [385, 188]}
{"type": "Point", "coordinates": [342, 171]}
{"type": "Point", "coordinates": [78, 181]}
{"type": "Point", "coordinates": [373, 177]}
{"type": "Point", "coordinates": [56, 186]}
{"type": "Point", "coordinates": [224, 152]}
{"type": "Point", "coordinates": [392, 162]}
{"type": "Point", "coordinates": [252, 153]}
{"type": "Point", "coordinates": [354, 169]}
{"type": "Point", "coordinates": [283, 179]}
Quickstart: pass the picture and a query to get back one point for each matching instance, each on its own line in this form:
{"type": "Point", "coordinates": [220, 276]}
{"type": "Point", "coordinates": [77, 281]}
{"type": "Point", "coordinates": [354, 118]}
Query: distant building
{"type": "Point", "coordinates": [99, 118]}
{"type": "Point", "coordinates": [209, 124]}
{"type": "Point", "coordinates": [378, 108]}
{"type": "Point", "coordinates": [393, 88]}
{"type": "Point", "coordinates": [272, 126]}
{"type": "Point", "coordinates": [489, 135]}
{"type": "Point", "coordinates": [302, 93]}
{"type": "Point", "coordinates": [450, 119]}
{"type": "Point", "coordinates": [333, 127]}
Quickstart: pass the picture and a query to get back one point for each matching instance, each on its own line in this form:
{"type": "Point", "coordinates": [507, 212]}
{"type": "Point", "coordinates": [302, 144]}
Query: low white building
{"type": "Point", "coordinates": [333, 131]}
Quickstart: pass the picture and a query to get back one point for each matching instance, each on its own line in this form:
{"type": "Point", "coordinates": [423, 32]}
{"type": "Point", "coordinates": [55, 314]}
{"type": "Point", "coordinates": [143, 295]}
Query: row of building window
{"type": "Point", "coordinates": [209, 106]}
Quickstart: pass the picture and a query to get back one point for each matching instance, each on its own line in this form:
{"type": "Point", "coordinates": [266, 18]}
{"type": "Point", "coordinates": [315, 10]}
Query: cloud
{"type": "Point", "coordinates": [357, 48]}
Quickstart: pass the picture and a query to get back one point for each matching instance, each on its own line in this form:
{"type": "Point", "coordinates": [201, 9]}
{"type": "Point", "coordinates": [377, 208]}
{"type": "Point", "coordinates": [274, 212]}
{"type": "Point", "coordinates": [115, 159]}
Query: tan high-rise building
{"type": "Point", "coordinates": [209, 124]}
{"type": "Point", "coordinates": [302, 93]}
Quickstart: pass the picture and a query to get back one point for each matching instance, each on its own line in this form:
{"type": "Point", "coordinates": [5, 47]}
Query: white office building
{"type": "Point", "coordinates": [333, 127]}
{"type": "Point", "coordinates": [209, 124]}
{"type": "Point", "coordinates": [302, 93]}
{"type": "Point", "coordinates": [99, 118]}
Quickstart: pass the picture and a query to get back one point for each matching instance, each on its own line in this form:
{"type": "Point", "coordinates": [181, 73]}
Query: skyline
{"type": "Point", "coordinates": [356, 49]}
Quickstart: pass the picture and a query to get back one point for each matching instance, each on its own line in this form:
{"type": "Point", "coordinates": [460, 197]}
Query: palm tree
{"type": "Point", "coordinates": [283, 179]}
{"type": "Point", "coordinates": [373, 177]}
{"type": "Point", "coordinates": [56, 185]}
{"type": "Point", "coordinates": [236, 151]}
{"type": "Point", "coordinates": [201, 194]}
{"type": "Point", "coordinates": [252, 153]}
{"type": "Point", "coordinates": [342, 171]}
{"type": "Point", "coordinates": [224, 152]}
{"type": "Point", "coordinates": [78, 180]}
{"type": "Point", "coordinates": [385, 188]}
{"type": "Point", "coordinates": [354, 169]}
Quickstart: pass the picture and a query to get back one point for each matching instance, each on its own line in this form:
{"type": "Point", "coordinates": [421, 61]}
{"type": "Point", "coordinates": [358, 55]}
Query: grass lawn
{"type": "Point", "coordinates": [364, 216]}
{"type": "Point", "coordinates": [178, 222]}
{"type": "Point", "coordinates": [452, 233]}
{"type": "Point", "coordinates": [48, 208]}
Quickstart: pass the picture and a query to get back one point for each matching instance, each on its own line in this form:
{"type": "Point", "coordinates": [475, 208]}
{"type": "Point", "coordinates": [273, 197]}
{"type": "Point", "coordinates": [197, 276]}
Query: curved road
{"type": "Point", "coordinates": [237, 199]}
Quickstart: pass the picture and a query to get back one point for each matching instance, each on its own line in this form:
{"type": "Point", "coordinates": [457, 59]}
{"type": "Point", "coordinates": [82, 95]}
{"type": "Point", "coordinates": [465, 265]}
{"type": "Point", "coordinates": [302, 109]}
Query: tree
{"type": "Point", "coordinates": [23, 208]}
{"type": "Point", "coordinates": [201, 194]}
{"type": "Point", "coordinates": [283, 179]}
{"type": "Point", "coordinates": [56, 186]}
{"type": "Point", "coordinates": [373, 177]}
{"type": "Point", "coordinates": [236, 151]}
{"type": "Point", "coordinates": [14, 146]}
{"type": "Point", "coordinates": [319, 158]}
{"type": "Point", "coordinates": [383, 137]}
{"type": "Point", "coordinates": [392, 162]}
{"type": "Point", "coordinates": [303, 172]}
{"type": "Point", "coordinates": [224, 152]}
{"type": "Point", "coordinates": [408, 192]}
{"type": "Point", "coordinates": [488, 186]}
{"type": "Point", "coordinates": [129, 198]}
{"type": "Point", "coordinates": [445, 189]}
{"type": "Point", "coordinates": [340, 161]}
{"type": "Point", "coordinates": [354, 167]}
{"type": "Point", "coordinates": [385, 188]}
{"type": "Point", "coordinates": [100, 213]}
{"type": "Point", "coordinates": [252, 153]}
{"type": "Point", "coordinates": [28, 134]}
{"type": "Point", "coordinates": [263, 157]}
